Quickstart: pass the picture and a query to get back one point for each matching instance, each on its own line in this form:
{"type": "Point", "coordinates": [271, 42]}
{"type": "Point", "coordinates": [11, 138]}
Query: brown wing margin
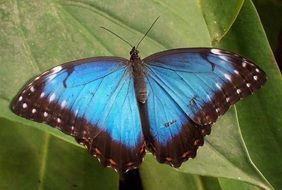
{"type": "Point", "coordinates": [244, 80]}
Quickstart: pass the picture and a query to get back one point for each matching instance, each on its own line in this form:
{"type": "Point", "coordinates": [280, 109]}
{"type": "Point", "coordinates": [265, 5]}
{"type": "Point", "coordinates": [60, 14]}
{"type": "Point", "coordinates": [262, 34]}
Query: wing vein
{"type": "Point", "coordinates": [117, 92]}
{"type": "Point", "coordinates": [179, 70]}
{"type": "Point", "coordinates": [172, 89]}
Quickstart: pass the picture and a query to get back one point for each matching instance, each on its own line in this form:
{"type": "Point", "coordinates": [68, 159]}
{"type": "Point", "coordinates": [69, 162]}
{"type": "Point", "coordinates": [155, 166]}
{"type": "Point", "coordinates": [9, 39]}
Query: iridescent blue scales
{"type": "Point", "coordinates": [118, 107]}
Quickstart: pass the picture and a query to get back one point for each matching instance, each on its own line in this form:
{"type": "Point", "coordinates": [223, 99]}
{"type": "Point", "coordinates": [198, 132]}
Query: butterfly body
{"type": "Point", "coordinates": [138, 69]}
{"type": "Point", "coordinates": [115, 107]}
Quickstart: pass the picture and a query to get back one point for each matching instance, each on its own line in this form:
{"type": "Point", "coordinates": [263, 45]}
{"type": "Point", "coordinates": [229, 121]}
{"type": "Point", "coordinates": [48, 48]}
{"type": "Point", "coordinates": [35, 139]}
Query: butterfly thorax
{"type": "Point", "coordinates": [138, 75]}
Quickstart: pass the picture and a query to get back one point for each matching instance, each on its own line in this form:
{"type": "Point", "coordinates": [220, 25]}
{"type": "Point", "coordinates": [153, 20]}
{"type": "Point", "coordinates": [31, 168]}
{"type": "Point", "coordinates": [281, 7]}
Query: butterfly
{"type": "Point", "coordinates": [117, 108]}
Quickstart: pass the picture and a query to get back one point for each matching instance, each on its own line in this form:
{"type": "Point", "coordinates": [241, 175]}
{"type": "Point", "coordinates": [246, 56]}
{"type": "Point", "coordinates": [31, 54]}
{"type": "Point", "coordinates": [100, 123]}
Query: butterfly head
{"type": "Point", "coordinates": [134, 54]}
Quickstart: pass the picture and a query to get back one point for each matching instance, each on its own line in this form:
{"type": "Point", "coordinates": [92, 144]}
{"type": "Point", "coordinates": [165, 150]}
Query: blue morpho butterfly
{"type": "Point", "coordinates": [115, 107]}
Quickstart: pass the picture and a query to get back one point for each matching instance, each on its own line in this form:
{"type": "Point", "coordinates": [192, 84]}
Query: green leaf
{"type": "Point", "coordinates": [155, 179]}
{"type": "Point", "coordinates": [37, 35]}
{"type": "Point", "coordinates": [31, 159]}
{"type": "Point", "coordinates": [219, 18]}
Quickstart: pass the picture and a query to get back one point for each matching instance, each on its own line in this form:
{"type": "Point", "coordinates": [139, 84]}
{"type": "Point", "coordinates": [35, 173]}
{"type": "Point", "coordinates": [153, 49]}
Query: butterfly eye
{"type": "Point", "coordinates": [132, 51]}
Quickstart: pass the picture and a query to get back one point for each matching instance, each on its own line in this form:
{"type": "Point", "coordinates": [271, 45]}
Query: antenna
{"type": "Point", "coordinates": [127, 41]}
{"type": "Point", "coordinates": [147, 31]}
{"type": "Point", "coordinates": [117, 36]}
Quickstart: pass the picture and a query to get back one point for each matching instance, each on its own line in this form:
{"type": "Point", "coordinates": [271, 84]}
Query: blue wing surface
{"type": "Point", "coordinates": [169, 133]}
{"type": "Point", "coordinates": [188, 89]}
{"type": "Point", "coordinates": [93, 100]}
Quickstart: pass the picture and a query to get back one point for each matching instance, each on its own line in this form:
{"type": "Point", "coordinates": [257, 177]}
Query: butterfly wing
{"type": "Point", "coordinates": [188, 89]}
{"type": "Point", "coordinates": [92, 100]}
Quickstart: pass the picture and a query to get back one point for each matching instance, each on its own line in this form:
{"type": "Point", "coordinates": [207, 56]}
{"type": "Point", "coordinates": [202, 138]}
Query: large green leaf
{"type": "Point", "coordinates": [36, 35]}
{"type": "Point", "coordinates": [155, 179]}
{"type": "Point", "coordinates": [31, 159]}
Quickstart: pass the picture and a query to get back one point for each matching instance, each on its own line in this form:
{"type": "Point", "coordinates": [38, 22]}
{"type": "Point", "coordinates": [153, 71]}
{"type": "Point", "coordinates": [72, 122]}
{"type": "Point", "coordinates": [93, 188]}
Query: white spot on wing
{"type": "Point", "coordinates": [56, 69]}
{"type": "Point", "coordinates": [218, 86]}
{"type": "Point", "coordinates": [248, 84]}
{"type": "Point", "coordinates": [236, 72]}
{"type": "Point", "coordinates": [227, 99]}
{"type": "Point", "coordinates": [52, 97]}
{"type": "Point", "coordinates": [238, 91]}
{"type": "Point", "coordinates": [33, 110]}
{"type": "Point", "coordinates": [217, 110]}
{"type": "Point", "coordinates": [45, 114]}
{"type": "Point", "coordinates": [32, 89]}
{"type": "Point", "coordinates": [63, 104]}
{"type": "Point", "coordinates": [24, 105]}
{"type": "Point", "coordinates": [257, 70]}
{"type": "Point", "coordinates": [216, 51]}
{"type": "Point", "coordinates": [244, 64]}
{"type": "Point", "coordinates": [255, 77]}
{"type": "Point", "coordinates": [20, 98]}
{"type": "Point", "coordinates": [42, 94]}
{"type": "Point", "coordinates": [228, 77]}
{"type": "Point", "coordinates": [59, 120]}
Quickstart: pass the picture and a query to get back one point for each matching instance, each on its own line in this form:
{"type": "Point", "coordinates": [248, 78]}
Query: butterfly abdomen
{"type": "Point", "coordinates": [139, 80]}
